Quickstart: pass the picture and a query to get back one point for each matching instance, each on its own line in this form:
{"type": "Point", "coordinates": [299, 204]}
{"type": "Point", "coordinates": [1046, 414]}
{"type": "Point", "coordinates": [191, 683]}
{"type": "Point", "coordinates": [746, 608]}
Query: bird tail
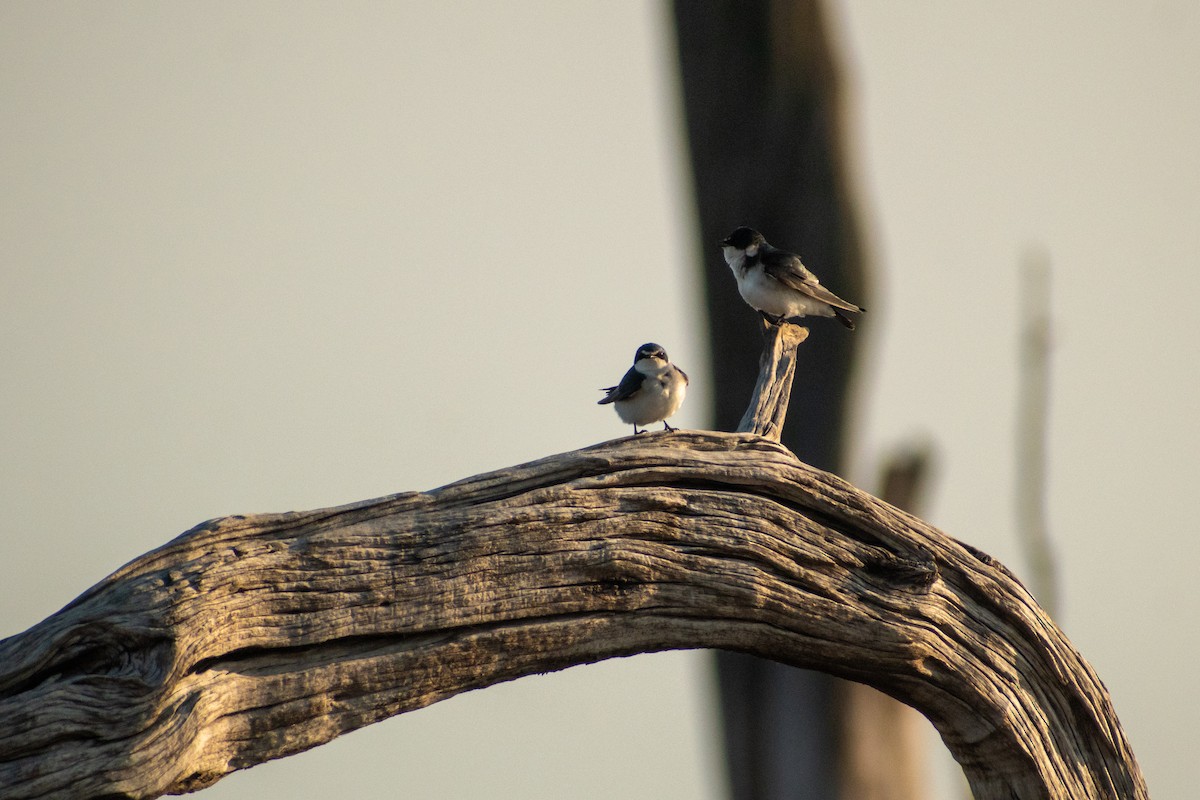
{"type": "Point", "coordinates": [609, 398]}
{"type": "Point", "coordinates": [842, 318]}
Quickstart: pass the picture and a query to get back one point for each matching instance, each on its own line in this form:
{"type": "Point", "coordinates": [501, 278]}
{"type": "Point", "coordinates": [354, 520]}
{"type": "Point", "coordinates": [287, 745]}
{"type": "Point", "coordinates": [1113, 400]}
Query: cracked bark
{"type": "Point", "coordinates": [250, 638]}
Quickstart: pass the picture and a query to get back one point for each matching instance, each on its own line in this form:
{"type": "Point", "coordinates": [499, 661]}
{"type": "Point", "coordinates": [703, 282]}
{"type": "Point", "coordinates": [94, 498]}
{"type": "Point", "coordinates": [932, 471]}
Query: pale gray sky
{"type": "Point", "coordinates": [238, 240]}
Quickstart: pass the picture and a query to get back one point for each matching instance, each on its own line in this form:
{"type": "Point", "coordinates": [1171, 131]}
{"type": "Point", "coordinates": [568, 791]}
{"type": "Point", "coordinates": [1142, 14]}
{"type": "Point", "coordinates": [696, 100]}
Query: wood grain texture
{"type": "Point", "coordinates": [773, 391]}
{"type": "Point", "coordinates": [252, 638]}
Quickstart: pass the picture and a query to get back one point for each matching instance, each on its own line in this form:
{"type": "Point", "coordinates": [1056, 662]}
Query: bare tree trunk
{"type": "Point", "coordinates": [761, 96]}
{"type": "Point", "coordinates": [252, 638]}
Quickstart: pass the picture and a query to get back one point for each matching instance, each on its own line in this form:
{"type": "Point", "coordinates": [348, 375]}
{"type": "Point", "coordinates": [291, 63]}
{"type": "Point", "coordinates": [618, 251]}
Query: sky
{"type": "Point", "coordinates": [261, 256]}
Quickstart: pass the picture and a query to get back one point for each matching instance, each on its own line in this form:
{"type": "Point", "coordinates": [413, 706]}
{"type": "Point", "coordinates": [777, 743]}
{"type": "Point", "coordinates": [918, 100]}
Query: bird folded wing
{"type": "Point", "coordinates": [627, 388]}
{"type": "Point", "coordinates": [791, 272]}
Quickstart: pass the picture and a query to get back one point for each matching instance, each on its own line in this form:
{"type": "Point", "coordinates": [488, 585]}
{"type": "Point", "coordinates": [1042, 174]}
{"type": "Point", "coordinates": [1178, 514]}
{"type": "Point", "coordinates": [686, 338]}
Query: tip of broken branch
{"type": "Point", "coordinates": [776, 369]}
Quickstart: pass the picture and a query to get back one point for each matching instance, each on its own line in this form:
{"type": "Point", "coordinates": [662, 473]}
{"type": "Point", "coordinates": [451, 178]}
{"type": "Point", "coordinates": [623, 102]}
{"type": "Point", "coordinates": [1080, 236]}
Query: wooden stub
{"type": "Point", "coordinates": [776, 370]}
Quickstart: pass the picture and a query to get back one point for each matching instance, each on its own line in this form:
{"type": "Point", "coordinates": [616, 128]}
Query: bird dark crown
{"type": "Point", "coordinates": [650, 350]}
{"type": "Point", "coordinates": [743, 237]}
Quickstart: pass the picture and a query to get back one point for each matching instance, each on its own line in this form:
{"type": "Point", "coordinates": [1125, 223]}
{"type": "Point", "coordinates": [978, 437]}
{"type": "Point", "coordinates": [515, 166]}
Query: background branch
{"type": "Point", "coordinates": [1033, 416]}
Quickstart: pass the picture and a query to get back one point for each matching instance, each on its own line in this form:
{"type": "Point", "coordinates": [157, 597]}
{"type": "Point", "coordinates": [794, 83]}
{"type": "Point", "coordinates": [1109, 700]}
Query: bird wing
{"type": "Point", "coordinates": [788, 269]}
{"type": "Point", "coordinates": [627, 388]}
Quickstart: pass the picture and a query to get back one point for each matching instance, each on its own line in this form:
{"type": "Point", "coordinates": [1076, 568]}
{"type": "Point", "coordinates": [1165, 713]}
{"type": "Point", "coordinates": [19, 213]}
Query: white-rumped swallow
{"type": "Point", "coordinates": [776, 283]}
{"type": "Point", "coordinates": [651, 390]}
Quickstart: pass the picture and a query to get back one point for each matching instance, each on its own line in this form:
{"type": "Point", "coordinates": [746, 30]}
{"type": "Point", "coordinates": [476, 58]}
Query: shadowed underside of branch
{"type": "Point", "coordinates": [252, 638]}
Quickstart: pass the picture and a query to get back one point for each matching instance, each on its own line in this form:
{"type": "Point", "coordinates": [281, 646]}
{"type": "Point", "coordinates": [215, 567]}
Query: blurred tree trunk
{"type": "Point", "coordinates": [882, 756]}
{"type": "Point", "coordinates": [760, 89]}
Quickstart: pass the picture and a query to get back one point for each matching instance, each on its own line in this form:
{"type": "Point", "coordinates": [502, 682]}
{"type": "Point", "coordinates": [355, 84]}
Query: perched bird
{"type": "Point", "coordinates": [776, 284]}
{"type": "Point", "coordinates": [651, 390]}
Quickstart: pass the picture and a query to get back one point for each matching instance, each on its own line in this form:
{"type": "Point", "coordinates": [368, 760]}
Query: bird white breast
{"type": "Point", "coordinates": [764, 293]}
{"type": "Point", "coordinates": [659, 398]}
{"type": "Point", "coordinates": [734, 258]}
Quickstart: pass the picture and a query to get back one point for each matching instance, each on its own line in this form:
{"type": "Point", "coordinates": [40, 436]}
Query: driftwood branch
{"type": "Point", "coordinates": [250, 638]}
{"type": "Point", "coordinates": [776, 368]}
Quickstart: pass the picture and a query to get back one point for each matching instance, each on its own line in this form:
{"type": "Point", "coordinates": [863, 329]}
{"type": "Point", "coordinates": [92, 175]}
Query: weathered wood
{"type": "Point", "coordinates": [773, 391]}
{"type": "Point", "coordinates": [251, 638]}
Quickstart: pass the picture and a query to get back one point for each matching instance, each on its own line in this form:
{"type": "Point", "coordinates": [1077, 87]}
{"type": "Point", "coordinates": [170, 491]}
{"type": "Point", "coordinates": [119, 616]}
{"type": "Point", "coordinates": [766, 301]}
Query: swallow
{"type": "Point", "coordinates": [776, 284]}
{"type": "Point", "coordinates": [651, 391]}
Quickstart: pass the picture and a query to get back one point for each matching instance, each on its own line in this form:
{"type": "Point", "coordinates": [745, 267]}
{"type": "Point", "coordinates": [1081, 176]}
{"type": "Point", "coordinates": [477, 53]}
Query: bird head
{"type": "Point", "coordinates": [652, 351]}
{"type": "Point", "coordinates": [746, 240]}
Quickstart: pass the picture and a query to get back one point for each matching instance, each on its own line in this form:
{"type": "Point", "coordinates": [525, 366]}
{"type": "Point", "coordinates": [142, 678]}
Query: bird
{"type": "Point", "coordinates": [776, 284]}
{"type": "Point", "coordinates": [651, 390]}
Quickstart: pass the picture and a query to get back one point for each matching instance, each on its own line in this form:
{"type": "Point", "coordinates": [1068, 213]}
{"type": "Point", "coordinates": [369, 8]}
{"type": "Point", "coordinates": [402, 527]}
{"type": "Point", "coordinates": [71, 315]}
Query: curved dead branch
{"type": "Point", "coordinates": [251, 638]}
